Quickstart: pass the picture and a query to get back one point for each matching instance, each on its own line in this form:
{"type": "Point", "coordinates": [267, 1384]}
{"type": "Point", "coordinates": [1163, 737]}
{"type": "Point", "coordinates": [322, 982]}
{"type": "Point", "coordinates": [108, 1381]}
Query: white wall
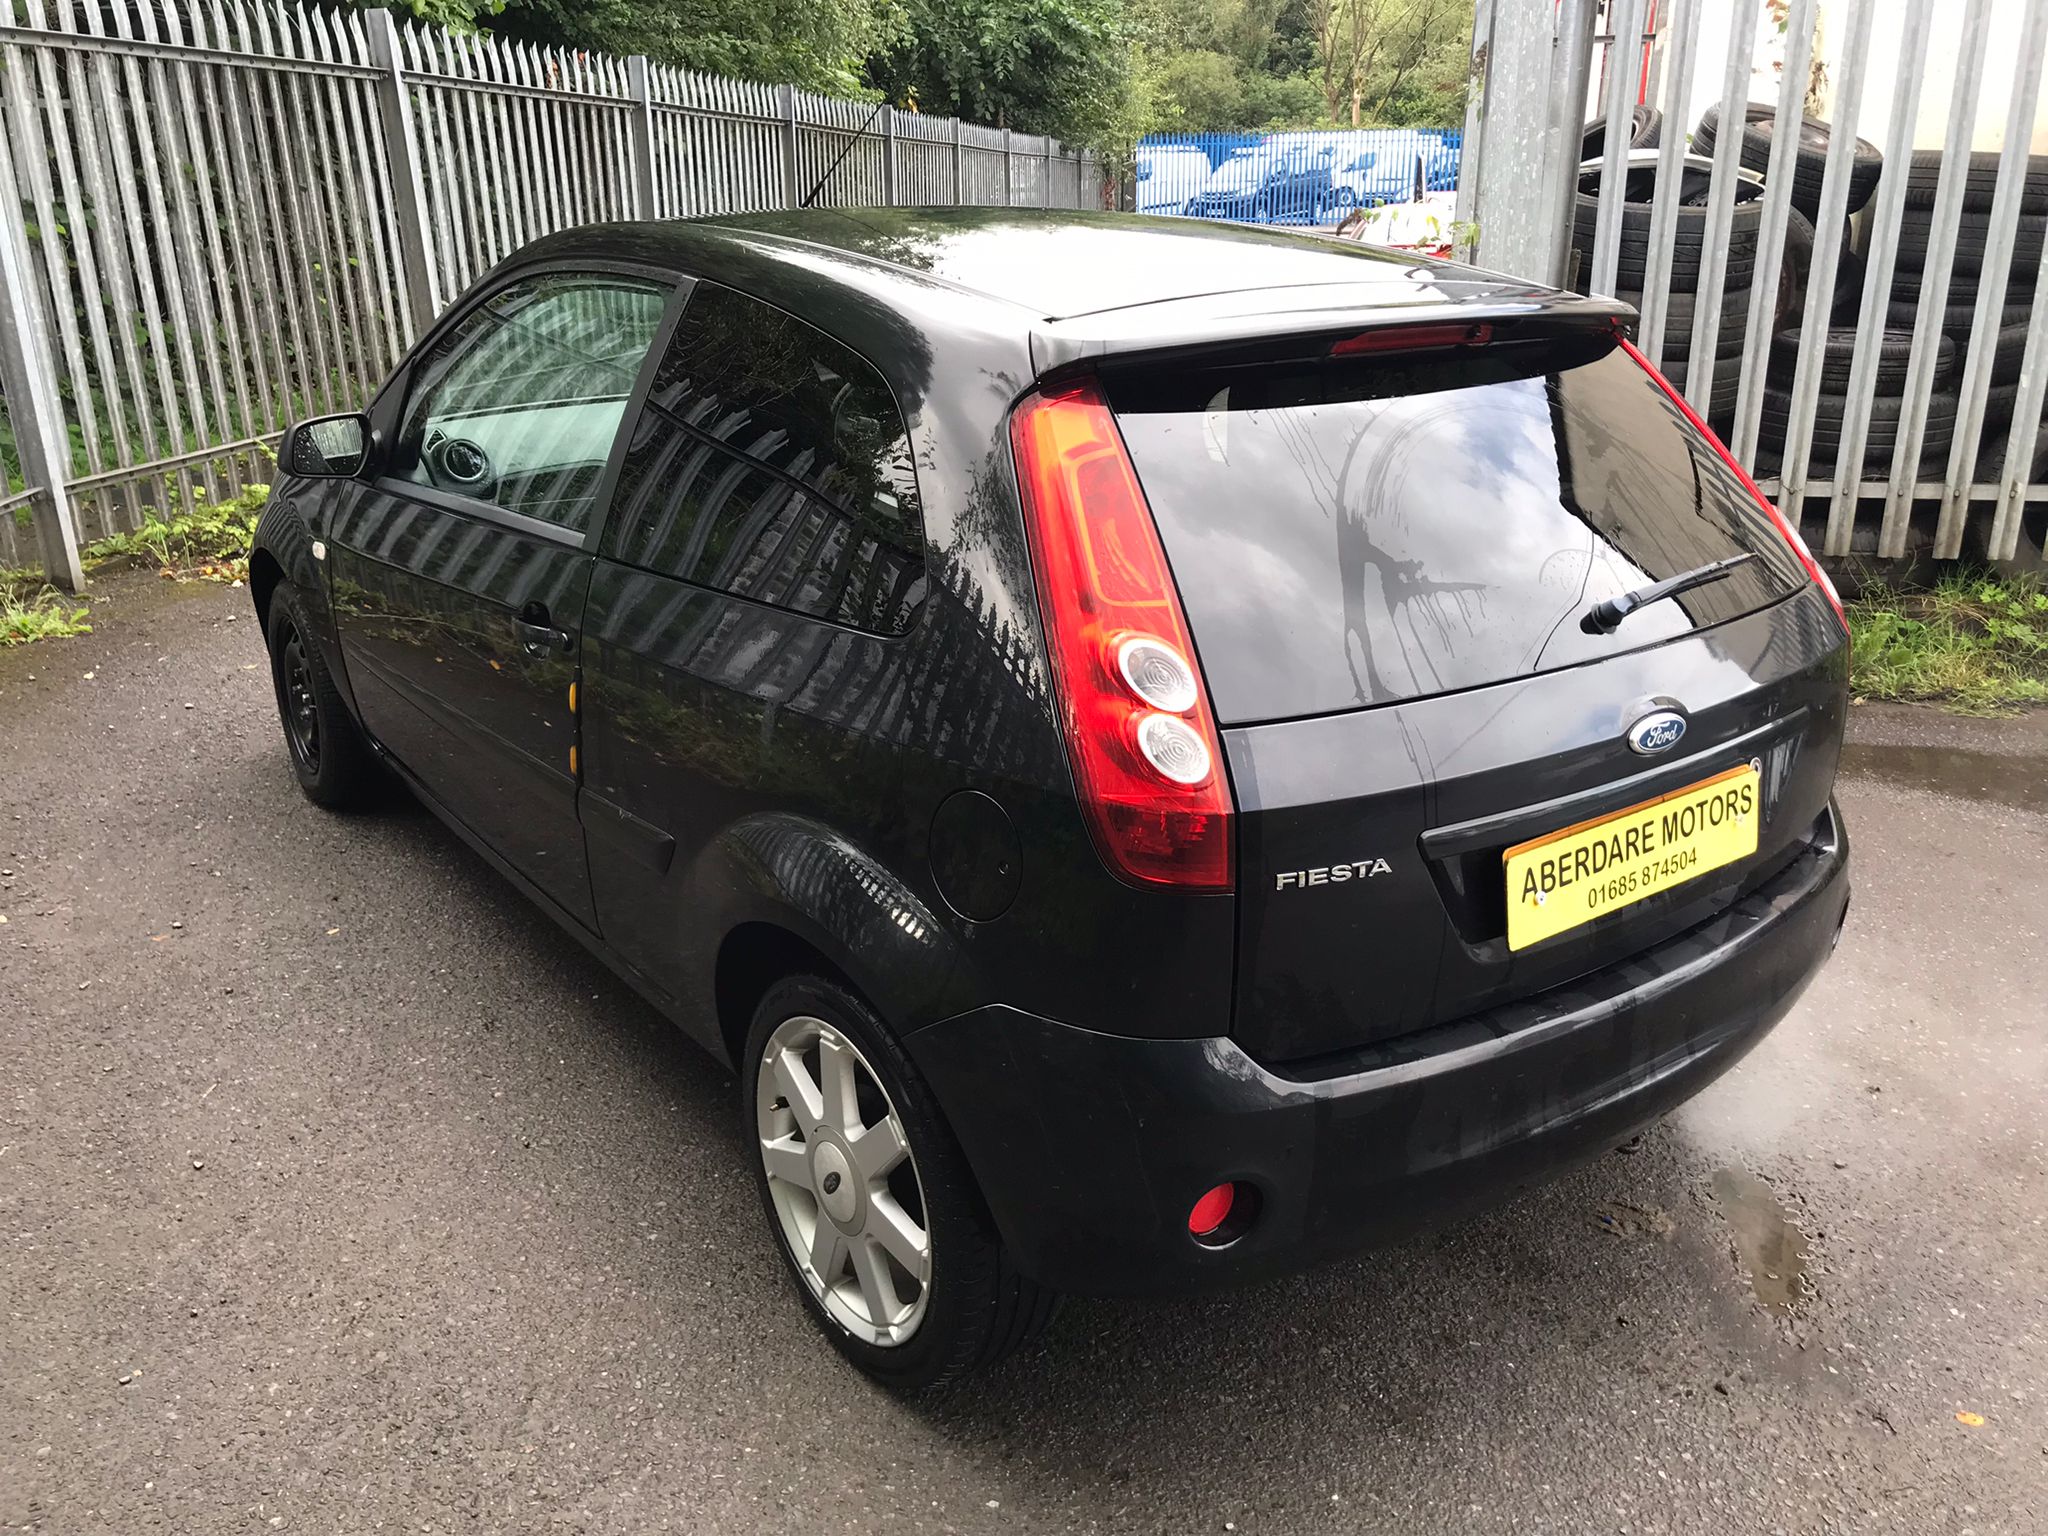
{"type": "Point", "coordinates": [1944, 46]}
{"type": "Point", "coordinates": [1881, 68]}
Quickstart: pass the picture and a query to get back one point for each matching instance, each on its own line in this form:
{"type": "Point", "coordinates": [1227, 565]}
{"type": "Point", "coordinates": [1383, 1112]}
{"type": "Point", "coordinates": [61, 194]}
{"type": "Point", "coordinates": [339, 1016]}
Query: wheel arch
{"type": "Point", "coordinates": [265, 572]}
{"type": "Point", "coordinates": [753, 957]}
{"type": "Point", "coordinates": [281, 553]}
{"type": "Point", "coordinates": [803, 897]}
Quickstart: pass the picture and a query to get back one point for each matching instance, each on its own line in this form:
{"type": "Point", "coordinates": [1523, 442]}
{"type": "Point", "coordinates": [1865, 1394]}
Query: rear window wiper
{"type": "Point", "coordinates": [1605, 617]}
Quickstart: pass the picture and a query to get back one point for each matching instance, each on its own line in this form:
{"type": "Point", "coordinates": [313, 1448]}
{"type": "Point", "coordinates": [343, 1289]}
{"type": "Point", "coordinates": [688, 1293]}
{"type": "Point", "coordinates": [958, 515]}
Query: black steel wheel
{"type": "Point", "coordinates": [301, 710]}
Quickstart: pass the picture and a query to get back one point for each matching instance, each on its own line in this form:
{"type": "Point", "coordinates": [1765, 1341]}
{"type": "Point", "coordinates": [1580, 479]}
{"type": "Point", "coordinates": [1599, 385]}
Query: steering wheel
{"type": "Point", "coordinates": [458, 463]}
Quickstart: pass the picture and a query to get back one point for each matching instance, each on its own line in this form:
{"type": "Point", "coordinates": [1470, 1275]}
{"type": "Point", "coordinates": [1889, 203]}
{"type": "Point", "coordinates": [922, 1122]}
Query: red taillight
{"type": "Point", "coordinates": [1149, 774]}
{"type": "Point", "coordinates": [1784, 527]}
{"type": "Point", "coordinates": [1412, 338]}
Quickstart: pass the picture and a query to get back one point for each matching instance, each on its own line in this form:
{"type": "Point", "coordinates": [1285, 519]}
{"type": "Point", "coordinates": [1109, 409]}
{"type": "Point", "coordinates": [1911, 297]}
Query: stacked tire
{"type": "Point", "coordinates": [1682, 282]}
{"type": "Point", "coordinates": [1809, 159]}
{"type": "Point", "coordinates": [1831, 409]}
{"type": "Point", "coordinates": [1918, 234]}
{"type": "Point", "coordinates": [1645, 131]}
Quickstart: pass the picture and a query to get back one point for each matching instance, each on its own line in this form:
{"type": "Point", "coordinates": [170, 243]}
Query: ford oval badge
{"type": "Point", "coordinates": [1656, 733]}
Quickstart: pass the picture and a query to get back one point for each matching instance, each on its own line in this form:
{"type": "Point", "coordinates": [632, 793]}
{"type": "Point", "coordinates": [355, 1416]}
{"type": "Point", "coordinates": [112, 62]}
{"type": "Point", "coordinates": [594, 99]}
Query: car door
{"type": "Point", "coordinates": [762, 568]}
{"type": "Point", "coordinates": [459, 573]}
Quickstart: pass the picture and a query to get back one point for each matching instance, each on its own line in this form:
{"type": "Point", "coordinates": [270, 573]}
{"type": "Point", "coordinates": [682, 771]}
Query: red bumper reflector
{"type": "Point", "coordinates": [1212, 1210]}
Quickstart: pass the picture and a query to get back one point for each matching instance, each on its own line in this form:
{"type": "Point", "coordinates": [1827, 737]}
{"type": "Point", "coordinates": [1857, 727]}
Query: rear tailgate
{"type": "Point", "coordinates": [1386, 560]}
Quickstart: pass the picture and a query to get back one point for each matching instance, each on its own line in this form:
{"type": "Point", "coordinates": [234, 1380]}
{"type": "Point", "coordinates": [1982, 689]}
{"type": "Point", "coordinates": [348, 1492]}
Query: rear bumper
{"type": "Point", "coordinates": [1091, 1148]}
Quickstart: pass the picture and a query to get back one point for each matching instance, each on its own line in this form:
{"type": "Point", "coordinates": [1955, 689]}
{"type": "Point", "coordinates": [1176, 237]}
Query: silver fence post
{"type": "Point", "coordinates": [786, 94]}
{"type": "Point", "coordinates": [408, 193]}
{"type": "Point", "coordinates": [959, 167]}
{"type": "Point", "coordinates": [1515, 175]}
{"type": "Point", "coordinates": [28, 378]}
{"type": "Point", "coordinates": [889, 150]}
{"type": "Point", "coordinates": [1572, 69]}
{"type": "Point", "coordinates": [640, 78]}
{"type": "Point", "coordinates": [1009, 195]}
{"type": "Point", "coordinates": [1045, 170]}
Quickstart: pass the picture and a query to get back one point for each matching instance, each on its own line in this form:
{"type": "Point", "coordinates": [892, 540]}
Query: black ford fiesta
{"type": "Point", "coordinates": [1160, 752]}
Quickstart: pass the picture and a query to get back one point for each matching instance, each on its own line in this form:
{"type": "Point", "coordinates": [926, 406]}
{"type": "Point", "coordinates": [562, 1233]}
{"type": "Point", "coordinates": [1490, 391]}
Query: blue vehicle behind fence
{"type": "Point", "coordinates": [1305, 177]}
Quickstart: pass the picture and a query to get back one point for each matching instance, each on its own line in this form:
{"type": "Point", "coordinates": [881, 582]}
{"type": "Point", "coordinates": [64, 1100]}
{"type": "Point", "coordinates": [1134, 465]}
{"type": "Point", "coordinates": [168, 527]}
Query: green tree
{"type": "Point", "coordinates": [1368, 51]}
{"type": "Point", "coordinates": [1043, 66]}
{"type": "Point", "coordinates": [820, 45]}
{"type": "Point", "coordinates": [1197, 91]}
{"type": "Point", "coordinates": [1421, 77]}
{"type": "Point", "coordinates": [455, 15]}
{"type": "Point", "coordinates": [1281, 101]}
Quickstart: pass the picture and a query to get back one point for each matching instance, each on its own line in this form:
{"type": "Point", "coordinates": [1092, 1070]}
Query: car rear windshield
{"type": "Point", "coordinates": [1349, 531]}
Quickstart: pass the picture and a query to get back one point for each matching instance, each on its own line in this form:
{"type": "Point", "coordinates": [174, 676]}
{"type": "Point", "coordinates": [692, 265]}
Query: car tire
{"type": "Point", "coordinates": [1894, 353]}
{"type": "Point", "coordinates": [1724, 388]}
{"type": "Point", "coordinates": [1679, 309]}
{"type": "Point", "coordinates": [2000, 401]}
{"type": "Point", "coordinates": [329, 757]}
{"type": "Point", "coordinates": [1848, 300]}
{"type": "Point", "coordinates": [1958, 316]}
{"type": "Point", "coordinates": [1809, 162]}
{"type": "Point", "coordinates": [1687, 244]}
{"type": "Point", "coordinates": [2010, 350]}
{"type": "Point", "coordinates": [1645, 129]}
{"type": "Point", "coordinates": [972, 1306]}
{"type": "Point", "coordinates": [1980, 181]}
{"type": "Point", "coordinates": [1881, 437]}
{"type": "Point", "coordinates": [1973, 232]}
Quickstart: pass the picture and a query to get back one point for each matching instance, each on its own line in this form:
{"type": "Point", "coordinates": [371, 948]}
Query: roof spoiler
{"type": "Point", "coordinates": [1229, 322]}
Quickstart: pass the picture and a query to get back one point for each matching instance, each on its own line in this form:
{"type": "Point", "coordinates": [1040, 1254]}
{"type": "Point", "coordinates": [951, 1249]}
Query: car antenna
{"type": "Point", "coordinates": [844, 151]}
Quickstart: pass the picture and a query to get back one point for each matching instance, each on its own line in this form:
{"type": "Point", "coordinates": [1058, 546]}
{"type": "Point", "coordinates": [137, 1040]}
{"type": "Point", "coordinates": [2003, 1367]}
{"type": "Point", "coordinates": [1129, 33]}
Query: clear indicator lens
{"type": "Point", "coordinates": [1174, 748]}
{"type": "Point", "coordinates": [1157, 673]}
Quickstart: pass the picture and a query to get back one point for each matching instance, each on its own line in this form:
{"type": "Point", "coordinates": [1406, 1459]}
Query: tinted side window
{"type": "Point", "coordinates": [520, 403]}
{"type": "Point", "coordinates": [771, 462]}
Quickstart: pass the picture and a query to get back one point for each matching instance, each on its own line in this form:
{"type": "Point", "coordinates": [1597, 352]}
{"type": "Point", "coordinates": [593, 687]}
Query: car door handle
{"type": "Point", "coordinates": [538, 637]}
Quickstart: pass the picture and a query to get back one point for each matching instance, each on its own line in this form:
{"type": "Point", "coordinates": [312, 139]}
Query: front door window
{"type": "Point", "coordinates": [518, 405]}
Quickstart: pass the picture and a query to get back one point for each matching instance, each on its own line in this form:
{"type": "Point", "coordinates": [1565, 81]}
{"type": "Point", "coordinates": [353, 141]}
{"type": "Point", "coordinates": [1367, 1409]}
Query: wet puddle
{"type": "Point", "coordinates": [2003, 779]}
{"type": "Point", "coordinates": [1771, 1247]}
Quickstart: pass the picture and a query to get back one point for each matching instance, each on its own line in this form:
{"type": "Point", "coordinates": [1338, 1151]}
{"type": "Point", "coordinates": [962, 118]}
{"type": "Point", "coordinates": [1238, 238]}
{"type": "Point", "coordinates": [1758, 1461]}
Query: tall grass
{"type": "Point", "coordinates": [1975, 641]}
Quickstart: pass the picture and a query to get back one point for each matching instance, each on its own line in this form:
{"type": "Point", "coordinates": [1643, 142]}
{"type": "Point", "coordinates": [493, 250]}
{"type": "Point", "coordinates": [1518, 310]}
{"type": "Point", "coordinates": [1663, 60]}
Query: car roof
{"type": "Point", "coordinates": [1078, 283]}
{"type": "Point", "coordinates": [1053, 263]}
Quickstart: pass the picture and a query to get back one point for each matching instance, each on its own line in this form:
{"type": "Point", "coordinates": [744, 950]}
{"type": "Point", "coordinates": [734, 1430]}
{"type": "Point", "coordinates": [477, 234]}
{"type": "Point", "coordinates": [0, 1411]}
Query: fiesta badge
{"type": "Point", "coordinates": [1658, 732]}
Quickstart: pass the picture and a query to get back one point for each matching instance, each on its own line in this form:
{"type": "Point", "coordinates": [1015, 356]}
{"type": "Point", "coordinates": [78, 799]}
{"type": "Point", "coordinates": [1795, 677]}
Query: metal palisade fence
{"type": "Point", "coordinates": [218, 216]}
{"type": "Point", "coordinates": [1862, 319]}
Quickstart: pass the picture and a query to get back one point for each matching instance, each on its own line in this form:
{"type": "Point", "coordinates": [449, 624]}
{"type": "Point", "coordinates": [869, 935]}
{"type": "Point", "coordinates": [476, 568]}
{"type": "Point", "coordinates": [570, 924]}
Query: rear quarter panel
{"type": "Point", "coordinates": [801, 764]}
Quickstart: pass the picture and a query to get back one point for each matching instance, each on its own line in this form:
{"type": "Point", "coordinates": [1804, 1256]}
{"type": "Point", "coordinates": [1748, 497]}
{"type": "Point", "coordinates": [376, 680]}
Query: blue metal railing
{"type": "Point", "coordinates": [1299, 177]}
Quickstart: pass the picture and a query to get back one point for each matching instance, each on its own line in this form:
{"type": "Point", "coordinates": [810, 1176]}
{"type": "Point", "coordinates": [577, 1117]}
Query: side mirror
{"type": "Point", "coordinates": [329, 447]}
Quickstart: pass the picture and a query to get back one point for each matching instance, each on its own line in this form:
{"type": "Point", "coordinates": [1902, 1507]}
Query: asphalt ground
{"type": "Point", "coordinates": [339, 1191]}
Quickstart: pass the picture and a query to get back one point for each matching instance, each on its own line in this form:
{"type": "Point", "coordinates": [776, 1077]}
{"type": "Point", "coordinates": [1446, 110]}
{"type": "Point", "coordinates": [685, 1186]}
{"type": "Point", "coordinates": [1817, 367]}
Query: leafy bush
{"type": "Point", "coordinates": [208, 540]}
{"type": "Point", "coordinates": [30, 609]}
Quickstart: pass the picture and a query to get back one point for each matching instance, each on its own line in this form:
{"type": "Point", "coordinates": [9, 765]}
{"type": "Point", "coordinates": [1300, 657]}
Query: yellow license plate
{"type": "Point", "coordinates": [1567, 878]}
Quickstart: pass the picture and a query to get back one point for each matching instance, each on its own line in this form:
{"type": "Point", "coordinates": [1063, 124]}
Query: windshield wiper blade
{"type": "Point", "coordinates": [1605, 617]}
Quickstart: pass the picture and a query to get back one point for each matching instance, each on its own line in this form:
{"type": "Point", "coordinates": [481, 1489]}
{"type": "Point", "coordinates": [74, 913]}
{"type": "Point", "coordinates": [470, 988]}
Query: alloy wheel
{"type": "Point", "coordinates": [843, 1182]}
